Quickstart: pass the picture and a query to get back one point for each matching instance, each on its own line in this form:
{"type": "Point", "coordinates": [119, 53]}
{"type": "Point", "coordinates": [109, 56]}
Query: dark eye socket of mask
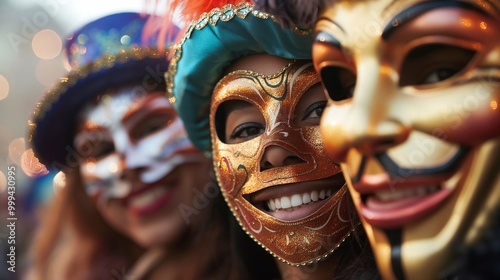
{"type": "Point", "coordinates": [338, 82]}
{"type": "Point", "coordinates": [433, 63]}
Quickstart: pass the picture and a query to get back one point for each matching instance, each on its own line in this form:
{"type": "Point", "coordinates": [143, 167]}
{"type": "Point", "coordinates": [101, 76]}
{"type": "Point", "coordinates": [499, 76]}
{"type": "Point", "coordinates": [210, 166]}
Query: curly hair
{"type": "Point", "coordinates": [291, 13]}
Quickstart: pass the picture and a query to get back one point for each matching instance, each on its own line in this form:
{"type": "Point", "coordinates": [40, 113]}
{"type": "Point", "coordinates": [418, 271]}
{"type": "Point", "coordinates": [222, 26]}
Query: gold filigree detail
{"type": "Point", "coordinates": [263, 76]}
{"type": "Point", "coordinates": [225, 14]}
{"type": "Point", "coordinates": [234, 211]}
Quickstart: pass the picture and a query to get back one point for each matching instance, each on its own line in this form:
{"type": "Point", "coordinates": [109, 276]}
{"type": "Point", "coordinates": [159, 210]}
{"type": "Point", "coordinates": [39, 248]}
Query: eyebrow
{"type": "Point", "coordinates": [415, 11]}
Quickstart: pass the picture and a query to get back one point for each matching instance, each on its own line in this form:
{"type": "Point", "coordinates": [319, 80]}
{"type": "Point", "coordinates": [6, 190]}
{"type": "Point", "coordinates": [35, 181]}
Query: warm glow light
{"type": "Point", "coordinates": [16, 149]}
{"type": "Point", "coordinates": [3, 182]}
{"type": "Point", "coordinates": [113, 168]}
{"type": "Point", "coordinates": [4, 87]}
{"type": "Point", "coordinates": [90, 167]}
{"type": "Point", "coordinates": [483, 25]}
{"type": "Point", "coordinates": [466, 22]}
{"type": "Point", "coordinates": [493, 105]}
{"type": "Point", "coordinates": [59, 181]}
{"type": "Point", "coordinates": [46, 44]}
{"type": "Point", "coordinates": [31, 166]}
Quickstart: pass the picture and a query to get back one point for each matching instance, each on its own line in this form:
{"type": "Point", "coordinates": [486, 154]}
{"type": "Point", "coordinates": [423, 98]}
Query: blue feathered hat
{"type": "Point", "coordinates": [103, 54]}
{"type": "Point", "coordinates": [210, 45]}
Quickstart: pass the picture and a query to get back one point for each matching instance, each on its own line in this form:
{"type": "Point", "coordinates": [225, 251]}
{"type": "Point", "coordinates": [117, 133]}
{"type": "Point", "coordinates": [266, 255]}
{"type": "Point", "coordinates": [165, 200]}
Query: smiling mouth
{"type": "Point", "coordinates": [397, 208]}
{"type": "Point", "coordinates": [150, 198]}
{"type": "Point", "coordinates": [392, 196]}
{"type": "Point", "coordinates": [296, 201]}
{"type": "Point", "coordinates": [390, 200]}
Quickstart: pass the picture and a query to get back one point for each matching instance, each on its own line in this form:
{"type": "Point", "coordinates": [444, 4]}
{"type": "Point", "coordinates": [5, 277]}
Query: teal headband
{"type": "Point", "coordinates": [210, 45]}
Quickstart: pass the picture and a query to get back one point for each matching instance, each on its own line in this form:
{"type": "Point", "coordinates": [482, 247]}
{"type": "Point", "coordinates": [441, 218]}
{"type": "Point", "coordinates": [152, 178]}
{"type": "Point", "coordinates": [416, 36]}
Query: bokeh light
{"type": "Point", "coordinates": [48, 72]}
{"type": "Point", "coordinates": [31, 166]}
{"type": "Point", "coordinates": [59, 181]}
{"type": "Point", "coordinates": [494, 105]}
{"type": "Point", "coordinates": [4, 87]}
{"type": "Point", "coordinates": [46, 44]}
{"type": "Point", "coordinates": [16, 149]}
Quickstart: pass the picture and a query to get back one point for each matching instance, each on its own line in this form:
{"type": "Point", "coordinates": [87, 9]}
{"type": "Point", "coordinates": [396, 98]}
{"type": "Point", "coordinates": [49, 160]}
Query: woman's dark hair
{"type": "Point", "coordinates": [74, 242]}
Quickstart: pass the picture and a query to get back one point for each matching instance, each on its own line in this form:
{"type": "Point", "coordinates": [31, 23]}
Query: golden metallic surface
{"type": "Point", "coordinates": [406, 108]}
{"type": "Point", "coordinates": [299, 242]}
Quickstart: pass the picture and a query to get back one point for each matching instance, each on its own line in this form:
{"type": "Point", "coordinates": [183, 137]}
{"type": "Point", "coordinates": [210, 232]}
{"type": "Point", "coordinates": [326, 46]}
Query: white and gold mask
{"type": "Point", "coordinates": [413, 116]}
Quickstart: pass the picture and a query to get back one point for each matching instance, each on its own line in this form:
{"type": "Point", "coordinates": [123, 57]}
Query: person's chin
{"type": "Point", "coordinates": [162, 233]}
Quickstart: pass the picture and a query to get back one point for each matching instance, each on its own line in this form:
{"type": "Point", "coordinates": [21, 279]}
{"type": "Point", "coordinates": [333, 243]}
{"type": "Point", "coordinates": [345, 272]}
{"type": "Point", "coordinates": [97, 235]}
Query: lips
{"type": "Point", "coordinates": [296, 201]}
{"type": "Point", "coordinates": [389, 203]}
{"type": "Point", "coordinates": [150, 198]}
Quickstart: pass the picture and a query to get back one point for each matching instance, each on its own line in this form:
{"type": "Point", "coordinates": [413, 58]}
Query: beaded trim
{"type": "Point", "coordinates": [225, 14]}
{"type": "Point", "coordinates": [104, 62]}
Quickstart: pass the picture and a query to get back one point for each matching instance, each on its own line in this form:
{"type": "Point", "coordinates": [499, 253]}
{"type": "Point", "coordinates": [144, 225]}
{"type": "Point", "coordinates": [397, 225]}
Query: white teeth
{"type": "Point", "coordinates": [285, 202]}
{"type": "Point", "coordinates": [277, 202]}
{"type": "Point", "coordinates": [295, 200]}
{"type": "Point", "coordinates": [147, 197]}
{"type": "Point", "coordinates": [314, 196]}
{"type": "Point", "coordinates": [271, 205]}
{"type": "Point", "coordinates": [306, 198]}
{"type": "Point", "coordinates": [399, 194]}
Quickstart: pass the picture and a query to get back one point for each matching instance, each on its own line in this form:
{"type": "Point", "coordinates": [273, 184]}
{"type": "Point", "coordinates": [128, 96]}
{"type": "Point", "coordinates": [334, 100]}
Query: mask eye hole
{"type": "Point", "coordinates": [433, 63]}
{"type": "Point", "coordinates": [238, 121]}
{"type": "Point", "coordinates": [152, 123]}
{"type": "Point", "coordinates": [338, 82]}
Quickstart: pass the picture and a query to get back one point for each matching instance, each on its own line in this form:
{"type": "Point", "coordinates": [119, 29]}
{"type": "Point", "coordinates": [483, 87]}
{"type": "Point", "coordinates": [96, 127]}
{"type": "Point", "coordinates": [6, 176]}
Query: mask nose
{"type": "Point", "coordinates": [276, 156]}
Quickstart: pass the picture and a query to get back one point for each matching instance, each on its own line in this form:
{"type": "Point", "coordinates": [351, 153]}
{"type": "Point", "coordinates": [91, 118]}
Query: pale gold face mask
{"type": "Point", "coordinates": [249, 184]}
{"type": "Point", "coordinates": [413, 116]}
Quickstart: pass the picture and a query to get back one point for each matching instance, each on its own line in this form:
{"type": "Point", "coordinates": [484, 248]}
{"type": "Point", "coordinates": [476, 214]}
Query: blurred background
{"type": "Point", "coordinates": [32, 35]}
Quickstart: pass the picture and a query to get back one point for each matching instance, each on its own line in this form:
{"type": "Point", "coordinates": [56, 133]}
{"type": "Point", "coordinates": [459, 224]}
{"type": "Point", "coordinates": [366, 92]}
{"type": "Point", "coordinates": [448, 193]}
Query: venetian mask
{"type": "Point", "coordinates": [295, 204]}
{"type": "Point", "coordinates": [413, 116]}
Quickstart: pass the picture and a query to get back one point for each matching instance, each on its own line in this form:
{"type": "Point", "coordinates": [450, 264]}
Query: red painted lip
{"type": "Point", "coordinates": [154, 206]}
{"type": "Point", "coordinates": [166, 182]}
{"type": "Point", "coordinates": [399, 212]}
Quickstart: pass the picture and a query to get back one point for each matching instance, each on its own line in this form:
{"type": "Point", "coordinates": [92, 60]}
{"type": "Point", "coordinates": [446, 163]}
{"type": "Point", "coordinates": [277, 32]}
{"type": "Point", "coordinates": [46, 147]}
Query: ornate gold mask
{"type": "Point", "coordinates": [247, 184]}
{"type": "Point", "coordinates": [414, 118]}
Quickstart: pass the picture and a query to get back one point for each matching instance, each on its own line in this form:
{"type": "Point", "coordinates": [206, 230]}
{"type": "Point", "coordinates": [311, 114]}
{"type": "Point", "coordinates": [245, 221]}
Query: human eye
{"type": "Point", "coordinates": [433, 63]}
{"type": "Point", "coordinates": [103, 150]}
{"type": "Point", "coordinates": [238, 121]}
{"type": "Point", "coordinates": [90, 150]}
{"type": "Point", "coordinates": [245, 132]}
{"type": "Point", "coordinates": [93, 143]}
{"type": "Point", "coordinates": [314, 111]}
{"type": "Point", "coordinates": [152, 123]}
